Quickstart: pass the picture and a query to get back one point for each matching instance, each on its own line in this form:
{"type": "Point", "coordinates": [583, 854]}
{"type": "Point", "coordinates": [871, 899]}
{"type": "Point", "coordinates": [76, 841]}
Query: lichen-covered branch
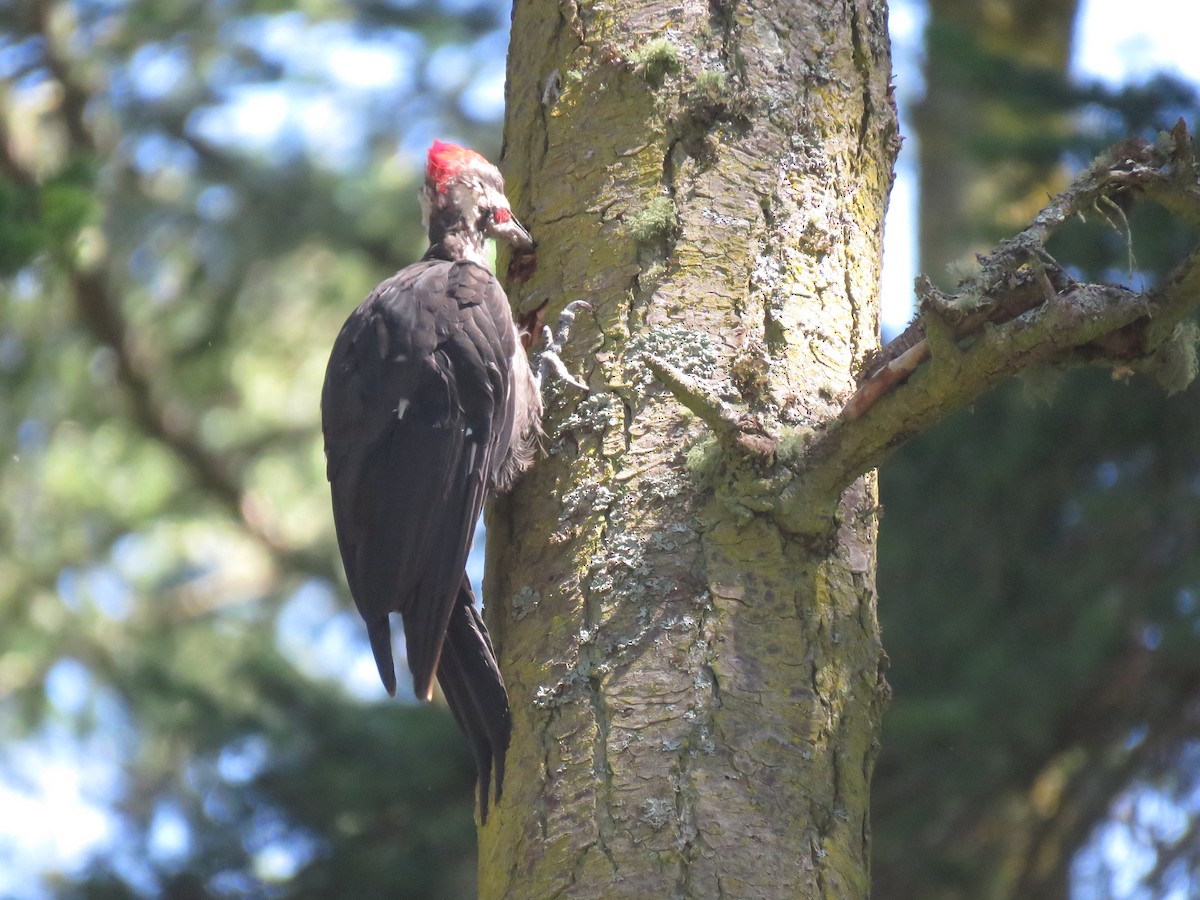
{"type": "Point", "coordinates": [1022, 308]}
{"type": "Point", "coordinates": [732, 427]}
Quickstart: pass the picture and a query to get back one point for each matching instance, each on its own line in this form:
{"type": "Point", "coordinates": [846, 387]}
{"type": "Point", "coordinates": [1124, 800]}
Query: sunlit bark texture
{"type": "Point", "coordinates": [696, 687]}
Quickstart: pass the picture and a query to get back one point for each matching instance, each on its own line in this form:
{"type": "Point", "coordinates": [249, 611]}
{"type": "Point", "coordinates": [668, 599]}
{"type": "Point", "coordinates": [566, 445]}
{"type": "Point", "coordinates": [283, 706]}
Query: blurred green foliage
{"type": "Point", "coordinates": [1039, 562]}
{"type": "Point", "coordinates": [193, 196]}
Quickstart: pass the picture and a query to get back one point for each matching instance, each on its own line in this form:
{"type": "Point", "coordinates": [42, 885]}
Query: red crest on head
{"type": "Point", "coordinates": [446, 161]}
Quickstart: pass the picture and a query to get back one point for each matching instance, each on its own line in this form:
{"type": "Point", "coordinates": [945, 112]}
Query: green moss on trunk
{"type": "Point", "coordinates": [697, 694]}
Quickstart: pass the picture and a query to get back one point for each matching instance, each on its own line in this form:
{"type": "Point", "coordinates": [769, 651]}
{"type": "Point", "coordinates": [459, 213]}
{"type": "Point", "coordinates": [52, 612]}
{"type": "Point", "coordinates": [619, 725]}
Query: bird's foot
{"type": "Point", "coordinates": [552, 344]}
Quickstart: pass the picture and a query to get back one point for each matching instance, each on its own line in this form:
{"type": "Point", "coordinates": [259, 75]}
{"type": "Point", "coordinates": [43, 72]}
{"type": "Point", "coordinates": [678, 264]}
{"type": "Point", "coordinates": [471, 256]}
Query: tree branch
{"type": "Point", "coordinates": [732, 427]}
{"type": "Point", "coordinates": [711, 409]}
{"type": "Point", "coordinates": [1021, 309]}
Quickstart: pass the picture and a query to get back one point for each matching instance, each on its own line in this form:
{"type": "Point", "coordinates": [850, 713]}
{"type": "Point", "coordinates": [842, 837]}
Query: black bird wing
{"type": "Point", "coordinates": [415, 408]}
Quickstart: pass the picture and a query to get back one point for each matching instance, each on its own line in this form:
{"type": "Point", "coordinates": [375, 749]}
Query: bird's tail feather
{"type": "Point", "coordinates": [379, 633]}
{"type": "Point", "coordinates": [474, 689]}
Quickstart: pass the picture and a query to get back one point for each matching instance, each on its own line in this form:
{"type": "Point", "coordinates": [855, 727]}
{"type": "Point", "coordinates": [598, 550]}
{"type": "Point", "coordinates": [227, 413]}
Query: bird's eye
{"type": "Point", "coordinates": [500, 215]}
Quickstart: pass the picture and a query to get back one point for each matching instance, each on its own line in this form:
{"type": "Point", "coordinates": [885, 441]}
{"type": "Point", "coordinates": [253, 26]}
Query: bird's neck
{"type": "Point", "coordinates": [452, 238]}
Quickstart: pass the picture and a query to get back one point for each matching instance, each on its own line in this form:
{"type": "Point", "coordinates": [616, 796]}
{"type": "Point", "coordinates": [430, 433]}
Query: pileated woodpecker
{"type": "Point", "coordinates": [429, 402]}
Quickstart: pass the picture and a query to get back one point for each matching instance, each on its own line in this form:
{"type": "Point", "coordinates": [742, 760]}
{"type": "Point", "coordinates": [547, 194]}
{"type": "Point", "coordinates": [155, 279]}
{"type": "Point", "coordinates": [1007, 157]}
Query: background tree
{"type": "Point", "coordinates": [1041, 623]}
{"type": "Point", "coordinates": [991, 124]}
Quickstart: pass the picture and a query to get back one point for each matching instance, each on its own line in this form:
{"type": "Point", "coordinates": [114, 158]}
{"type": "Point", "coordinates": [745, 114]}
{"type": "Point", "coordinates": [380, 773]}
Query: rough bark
{"type": "Point", "coordinates": [682, 592]}
{"type": "Point", "coordinates": [696, 690]}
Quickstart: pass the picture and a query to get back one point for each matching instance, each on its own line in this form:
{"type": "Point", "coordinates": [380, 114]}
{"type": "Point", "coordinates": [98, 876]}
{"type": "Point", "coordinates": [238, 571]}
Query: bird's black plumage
{"type": "Point", "coordinates": [419, 412]}
{"type": "Point", "coordinates": [474, 691]}
{"type": "Point", "coordinates": [413, 406]}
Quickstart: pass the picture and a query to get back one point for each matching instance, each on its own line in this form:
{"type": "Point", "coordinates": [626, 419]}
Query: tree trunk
{"type": "Point", "coordinates": [696, 690]}
{"type": "Point", "coordinates": [987, 150]}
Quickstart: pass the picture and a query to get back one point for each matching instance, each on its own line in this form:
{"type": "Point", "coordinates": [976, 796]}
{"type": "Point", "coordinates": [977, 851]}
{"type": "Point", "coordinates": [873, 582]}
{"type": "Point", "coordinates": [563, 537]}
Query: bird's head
{"type": "Point", "coordinates": [463, 201]}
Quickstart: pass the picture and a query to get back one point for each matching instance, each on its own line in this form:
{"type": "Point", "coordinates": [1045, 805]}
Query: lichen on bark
{"type": "Point", "coordinates": [697, 694]}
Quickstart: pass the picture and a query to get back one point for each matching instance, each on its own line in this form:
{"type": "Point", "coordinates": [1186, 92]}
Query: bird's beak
{"type": "Point", "coordinates": [514, 234]}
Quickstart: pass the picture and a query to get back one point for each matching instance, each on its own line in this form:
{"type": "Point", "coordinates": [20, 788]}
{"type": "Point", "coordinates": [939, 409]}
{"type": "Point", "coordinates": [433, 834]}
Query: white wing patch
{"type": "Point", "coordinates": [382, 336]}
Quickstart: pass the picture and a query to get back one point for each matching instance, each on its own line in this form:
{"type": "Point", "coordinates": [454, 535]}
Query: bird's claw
{"type": "Point", "coordinates": [553, 341]}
